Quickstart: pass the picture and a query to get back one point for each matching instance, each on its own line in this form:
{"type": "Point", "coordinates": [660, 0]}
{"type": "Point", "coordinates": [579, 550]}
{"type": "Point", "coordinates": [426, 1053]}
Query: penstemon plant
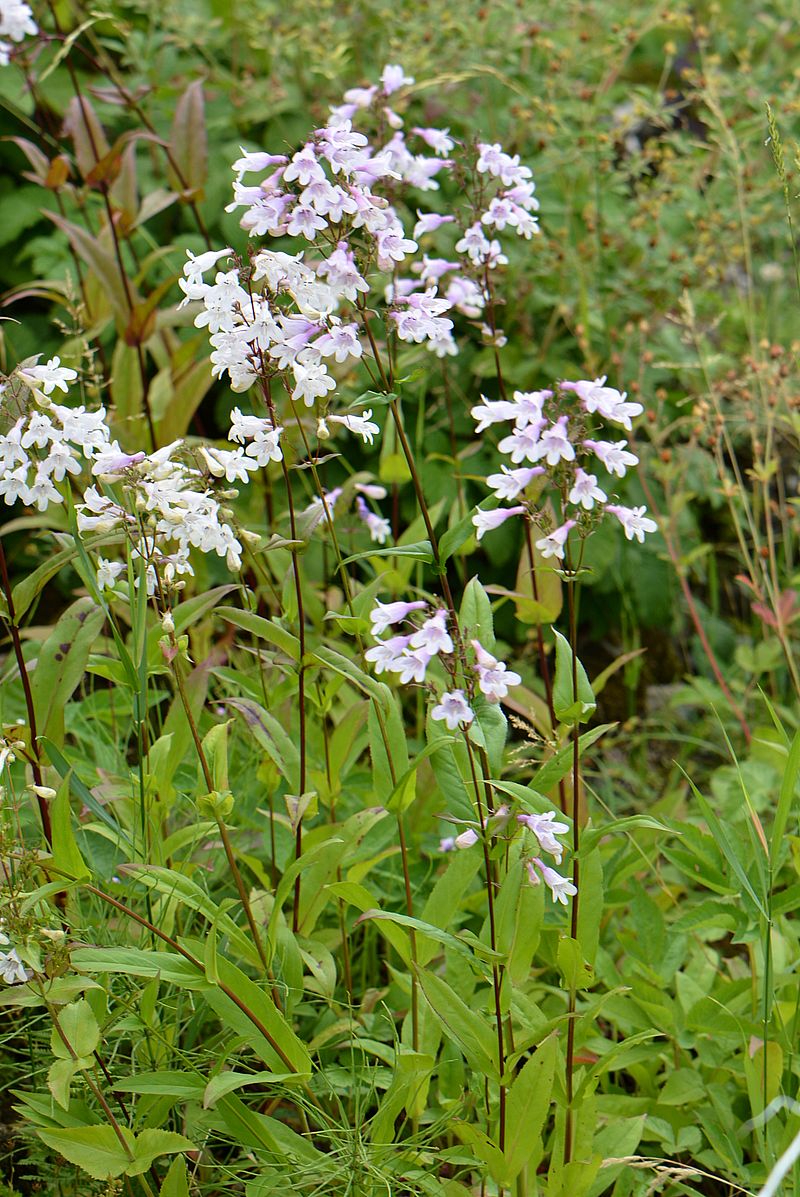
{"type": "Point", "coordinates": [370, 700]}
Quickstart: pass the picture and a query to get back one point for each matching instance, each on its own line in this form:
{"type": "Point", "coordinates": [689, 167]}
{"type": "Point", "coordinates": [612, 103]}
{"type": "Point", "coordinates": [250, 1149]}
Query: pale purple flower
{"type": "Point", "coordinates": [554, 443]}
{"type": "Point", "coordinates": [613, 455]}
{"type": "Point", "coordinates": [455, 711]}
{"type": "Point", "coordinates": [560, 887]}
{"type": "Point", "coordinates": [383, 615]}
{"type": "Point", "coordinates": [487, 521]}
{"type": "Point", "coordinates": [467, 838]}
{"type": "Point", "coordinates": [586, 491]}
{"type": "Point", "coordinates": [509, 483]}
{"type": "Point", "coordinates": [545, 828]}
{"type": "Point", "coordinates": [429, 222]}
{"type": "Point", "coordinates": [433, 637]}
{"type": "Point", "coordinates": [494, 677]}
{"type": "Point", "coordinates": [411, 665]}
{"type": "Point", "coordinates": [634, 520]}
{"type": "Point", "coordinates": [384, 654]}
{"type": "Point", "coordinates": [492, 411]}
{"type": "Point", "coordinates": [523, 444]}
{"type": "Point", "coordinates": [553, 545]}
{"type": "Point", "coordinates": [394, 77]}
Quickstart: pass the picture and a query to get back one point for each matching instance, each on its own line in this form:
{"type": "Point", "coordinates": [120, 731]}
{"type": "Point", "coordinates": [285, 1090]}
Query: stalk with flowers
{"type": "Point", "coordinates": [391, 240]}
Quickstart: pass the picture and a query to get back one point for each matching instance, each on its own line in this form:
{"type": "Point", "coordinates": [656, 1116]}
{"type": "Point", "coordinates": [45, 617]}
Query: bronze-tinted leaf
{"type": "Point", "coordinates": [188, 143]}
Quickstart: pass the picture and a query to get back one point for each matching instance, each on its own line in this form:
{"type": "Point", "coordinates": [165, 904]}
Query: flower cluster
{"type": "Point", "coordinates": [16, 22]}
{"type": "Point", "coordinates": [409, 655]}
{"type": "Point", "coordinates": [295, 316]}
{"type": "Point", "coordinates": [49, 441]}
{"type": "Point", "coordinates": [168, 505]}
{"type": "Point", "coordinates": [551, 438]}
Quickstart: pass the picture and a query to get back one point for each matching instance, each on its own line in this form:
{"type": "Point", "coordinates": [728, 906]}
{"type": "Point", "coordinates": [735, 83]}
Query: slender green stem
{"type": "Point", "coordinates": [223, 831]}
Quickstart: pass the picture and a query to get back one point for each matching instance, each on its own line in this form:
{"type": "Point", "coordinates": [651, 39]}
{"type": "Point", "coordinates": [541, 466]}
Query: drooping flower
{"type": "Point", "coordinates": [546, 828]}
{"type": "Point", "coordinates": [553, 545]}
{"type": "Point", "coordinates": [561, 888]}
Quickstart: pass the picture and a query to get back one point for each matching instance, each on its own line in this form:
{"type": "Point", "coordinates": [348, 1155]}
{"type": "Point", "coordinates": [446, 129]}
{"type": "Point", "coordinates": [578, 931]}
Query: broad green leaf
{"type": "Point", "coordinates": [475, 614]}
{"type": "Point", "coordinates": [150, 1144]}
{"type": "Point", "coordinates": [78, 1028]}
{"type": "Point", "coordinates": [539, 594]}
{"type": "Point", "coordinates": [263, 629]}
{"type": "Point", "coordinates": [573, 700]}
{"type": "Point", "coordinates": [183, 1085]}
{"type": "Point", "coordinates": [62, 663]}
{"type": "Point", "coordinates": [215, 750]}
{"type": "Point", "coordinates": [473, 1033]}
{"type": "Point", "coordinates": [726, 846]}
{"type": "Point", "coordinates": [528, 1102]}
{"type": "Point", "coordinates": [59, 1078]}
{"type": "Point", "coordinates": [96, 1149]}
{"type": "Point", "coordinates": [269, 733]}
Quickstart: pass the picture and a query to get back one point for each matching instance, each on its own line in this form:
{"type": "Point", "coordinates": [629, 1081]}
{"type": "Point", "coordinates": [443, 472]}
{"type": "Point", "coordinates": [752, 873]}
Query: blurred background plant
{"type": "Point", "coordinates": [667, 262]}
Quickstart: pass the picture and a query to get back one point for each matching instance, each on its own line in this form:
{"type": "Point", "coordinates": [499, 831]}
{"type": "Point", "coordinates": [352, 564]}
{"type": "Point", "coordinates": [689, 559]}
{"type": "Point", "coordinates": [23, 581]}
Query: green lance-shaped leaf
{"type": "Point", "coordinates": [176, 1182]}
{"type": "Point", "coordinates": [528, 1103]}
{"type": "Point", "coordinates": [66, 853]}
{"type": "Point", "coordinates": [62, 663]}
{"type": "Point", "coordinates": [571, 707]}
{"type": "Point", "coordinates": [215, 750]}
{"type": "Point", "coordinates": [475, 615]}
{"type": "Point", "coordinates": [471, 1032]}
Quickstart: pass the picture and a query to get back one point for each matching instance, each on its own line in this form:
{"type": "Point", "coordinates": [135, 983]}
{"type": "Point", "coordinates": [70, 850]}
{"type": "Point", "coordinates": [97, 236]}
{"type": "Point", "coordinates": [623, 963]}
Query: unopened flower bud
{"type": "Point", "coordinates": [168, 623]}
{"type": "Point", "coordinates": [43, 791]}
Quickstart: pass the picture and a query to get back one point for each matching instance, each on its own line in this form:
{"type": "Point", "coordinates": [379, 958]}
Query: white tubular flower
{"type": "Point", "coordinates": [12, 970]}
{"type": "Point", "coordinates": [433, 637]}
{"type": "Point", "coordinates": [108, 572]}
{"type": "Point", "coordinates": [383, 615]}
{"type": "Point", "coordinates": [455, 711]}
{"type": "Point", "coordinates": [360, 425]}
{"type": "Point", "coordinates": [233, 465]}
{"type": "Point", "coordinates": [197, 266]}
{"type": "Point", "coordinates": [553, 545]}
{"type": "Point", "coordinates": [311, 382]}
{"type": "Point", "coordinates": [545, 828]}
{"type": "Point", "coordinates": [560, 887]}
{"type": "Point", "coordinates": [509, 483]}
{"type": "Point", "coordinates": [467, 838]}
{"type": "Point", "coordinates": [47, 378]}
{"type": "Point", "coordinates": [634, 520]}
{"type": "Point", "coordinates": [487, 521]}
{"type": "Point", "coordinates": [385, 653]}
{"type": "Point", "coordinates": [585, 490]}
